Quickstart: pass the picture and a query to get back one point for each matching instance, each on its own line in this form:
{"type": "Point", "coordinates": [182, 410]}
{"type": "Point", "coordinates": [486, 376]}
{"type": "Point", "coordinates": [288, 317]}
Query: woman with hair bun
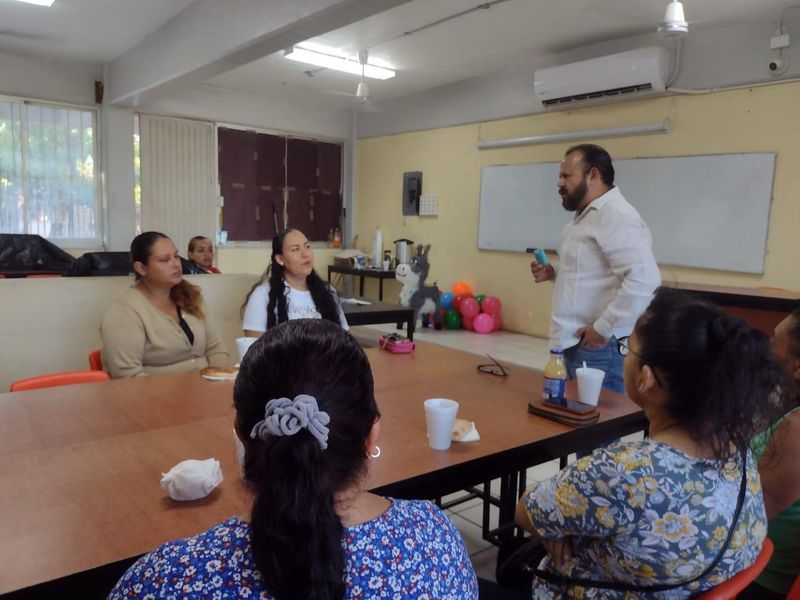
{"type": "Point", "coordinates": [290, 288]}
{"type": "Point", "coordinates": [682, 510]}
{"type": "Point", "coordinates": [159, 325]}
{"type": "Point", "coordinates": [307, 417]}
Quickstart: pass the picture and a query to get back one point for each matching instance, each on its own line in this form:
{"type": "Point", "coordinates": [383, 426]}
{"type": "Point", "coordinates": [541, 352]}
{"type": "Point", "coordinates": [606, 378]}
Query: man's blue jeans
{"type": "Point", "coordinates": [606, 358]}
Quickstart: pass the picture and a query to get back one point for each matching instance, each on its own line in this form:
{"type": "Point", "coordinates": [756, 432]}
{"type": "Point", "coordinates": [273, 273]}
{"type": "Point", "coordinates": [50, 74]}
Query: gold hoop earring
{"type": "Point", "coordinates": [377, 452]}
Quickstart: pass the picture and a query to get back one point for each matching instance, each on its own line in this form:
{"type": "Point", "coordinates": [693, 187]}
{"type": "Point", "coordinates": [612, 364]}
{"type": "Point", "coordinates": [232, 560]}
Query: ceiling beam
{"type": "Point", "coordinates": [211, 37]}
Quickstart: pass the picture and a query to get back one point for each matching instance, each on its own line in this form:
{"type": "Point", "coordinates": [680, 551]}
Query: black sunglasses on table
{"type": "Point", "coordinates": [493, 369]}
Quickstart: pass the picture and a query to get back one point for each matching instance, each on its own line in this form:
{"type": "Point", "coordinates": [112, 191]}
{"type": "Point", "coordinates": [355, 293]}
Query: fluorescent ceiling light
{"type": "Point", "coordinates": [339, 63]}
{"type": "Point", "coordinates": [38, 2]}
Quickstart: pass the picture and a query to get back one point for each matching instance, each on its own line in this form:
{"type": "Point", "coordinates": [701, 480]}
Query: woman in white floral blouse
{"type": "Point", "coordinates": [647, 519]}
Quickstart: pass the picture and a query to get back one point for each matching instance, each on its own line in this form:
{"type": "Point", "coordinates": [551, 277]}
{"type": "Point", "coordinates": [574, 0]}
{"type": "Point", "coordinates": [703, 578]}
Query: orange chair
{"type": "Point", "coordinates": [728, 590]}
{"type": "Point", "coordinates": [95, 360]}
{"type": "Point", "coordinates": [794, 593]}
{"type": "Point", "coordinates": [56, 379]}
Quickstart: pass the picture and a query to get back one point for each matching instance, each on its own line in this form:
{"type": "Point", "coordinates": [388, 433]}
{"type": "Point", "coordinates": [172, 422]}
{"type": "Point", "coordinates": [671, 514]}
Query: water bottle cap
{"type": "Point", "coordinates": [556, 351]}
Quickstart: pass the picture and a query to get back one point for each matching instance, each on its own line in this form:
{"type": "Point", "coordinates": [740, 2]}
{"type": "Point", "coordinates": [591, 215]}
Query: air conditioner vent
{"type": "Point", "coordinates": [630, 89]}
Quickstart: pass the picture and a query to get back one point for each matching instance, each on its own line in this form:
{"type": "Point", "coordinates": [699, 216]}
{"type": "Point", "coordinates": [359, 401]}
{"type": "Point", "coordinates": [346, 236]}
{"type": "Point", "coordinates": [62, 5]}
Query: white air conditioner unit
{"type": "Point", "coordinates": [615, 77]}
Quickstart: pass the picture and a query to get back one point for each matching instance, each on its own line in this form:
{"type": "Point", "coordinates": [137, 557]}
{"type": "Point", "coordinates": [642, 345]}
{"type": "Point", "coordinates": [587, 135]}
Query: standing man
{"type": "Point", "coordinates": [607, 272]}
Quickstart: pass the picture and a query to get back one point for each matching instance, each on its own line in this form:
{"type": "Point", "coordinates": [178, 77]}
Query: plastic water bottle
{"type": "Point", "coordinates": [377, 248]}
{"type": "Point", "coordinates": [555, 377]}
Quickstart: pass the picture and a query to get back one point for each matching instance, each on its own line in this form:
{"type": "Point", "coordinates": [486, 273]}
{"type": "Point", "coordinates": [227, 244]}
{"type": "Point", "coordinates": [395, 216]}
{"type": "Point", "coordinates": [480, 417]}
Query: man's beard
{"type": "Point", "coordinates": [572, 201]}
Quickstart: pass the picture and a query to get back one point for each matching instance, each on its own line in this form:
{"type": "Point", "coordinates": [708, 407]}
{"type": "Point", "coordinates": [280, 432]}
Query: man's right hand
{"type": "Point", "coordinates": [540, 273]}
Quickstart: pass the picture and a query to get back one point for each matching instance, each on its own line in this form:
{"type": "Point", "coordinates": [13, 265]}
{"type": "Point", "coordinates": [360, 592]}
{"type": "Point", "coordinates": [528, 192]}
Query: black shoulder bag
{"type": "Point", "coordinates": [520, 567]}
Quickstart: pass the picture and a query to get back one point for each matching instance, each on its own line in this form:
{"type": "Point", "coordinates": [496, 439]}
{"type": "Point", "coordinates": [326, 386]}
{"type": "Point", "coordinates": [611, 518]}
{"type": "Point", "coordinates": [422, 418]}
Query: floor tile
{"type": "Point", "coordinates": [474, 514]}
{"type": "Point", "coordinates": [485, 562]}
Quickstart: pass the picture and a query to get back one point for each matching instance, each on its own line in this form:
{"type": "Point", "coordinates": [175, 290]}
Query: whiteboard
{"type": "Point", "coordinates": [703, 211]}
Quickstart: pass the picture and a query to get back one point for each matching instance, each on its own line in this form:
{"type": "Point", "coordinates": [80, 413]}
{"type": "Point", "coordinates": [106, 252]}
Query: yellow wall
{"type": "Point", "coordinates": [753, 120]}
{"type": "Point", "coordinates": [254, 260]}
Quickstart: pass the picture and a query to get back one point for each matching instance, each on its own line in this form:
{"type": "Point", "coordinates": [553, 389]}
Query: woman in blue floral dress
{"type": "Point", "coordinates": [306, 415]}
{"type": "Point", "coordinates": [658, 512]}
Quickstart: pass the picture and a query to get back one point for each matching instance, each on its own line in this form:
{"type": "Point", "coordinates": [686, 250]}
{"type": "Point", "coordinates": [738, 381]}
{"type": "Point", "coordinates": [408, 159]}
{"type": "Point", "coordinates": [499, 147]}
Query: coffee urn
{"type": "Point", "coordinates": [402, 250]}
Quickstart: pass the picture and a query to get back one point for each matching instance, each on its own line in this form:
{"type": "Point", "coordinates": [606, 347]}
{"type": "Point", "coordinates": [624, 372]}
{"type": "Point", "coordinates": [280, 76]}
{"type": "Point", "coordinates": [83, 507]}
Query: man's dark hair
{"type": "Point", "coordinates": [597, 157]}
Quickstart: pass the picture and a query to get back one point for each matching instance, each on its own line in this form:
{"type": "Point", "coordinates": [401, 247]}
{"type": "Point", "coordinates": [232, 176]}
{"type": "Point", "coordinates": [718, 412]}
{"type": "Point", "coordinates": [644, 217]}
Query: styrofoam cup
{"type": "Point", "coordinates": [590, 382]}
{"type": "Point", "coordinates": [242, 344]}
{"type": "Point", "coordinates": [440, 415]}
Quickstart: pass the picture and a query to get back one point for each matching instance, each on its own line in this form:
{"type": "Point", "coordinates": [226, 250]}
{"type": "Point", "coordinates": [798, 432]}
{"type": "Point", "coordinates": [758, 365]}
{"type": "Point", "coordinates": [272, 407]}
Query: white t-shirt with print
{"type": "Point", "coordinates": [299, 305]}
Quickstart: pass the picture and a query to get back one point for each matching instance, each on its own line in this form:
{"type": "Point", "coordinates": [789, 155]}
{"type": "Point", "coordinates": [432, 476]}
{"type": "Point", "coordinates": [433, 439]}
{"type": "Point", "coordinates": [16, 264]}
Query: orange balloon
{"type": "Point", "coordinates": [461, 288]}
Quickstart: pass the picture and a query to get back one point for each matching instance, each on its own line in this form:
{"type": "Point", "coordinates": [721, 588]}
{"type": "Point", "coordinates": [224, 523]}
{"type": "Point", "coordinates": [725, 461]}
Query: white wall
{"type": "Point", "coordinates": [117, 164]}
{"type": "Point", "coordinates": [210, 103]}
{"type": "Point", "coordinates": [48, 80]}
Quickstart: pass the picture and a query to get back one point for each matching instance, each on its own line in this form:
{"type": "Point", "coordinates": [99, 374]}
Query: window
{"type": "Point", "coordinates": [48, 175]}
{"type": "Point", "coordinates": [270, 182]}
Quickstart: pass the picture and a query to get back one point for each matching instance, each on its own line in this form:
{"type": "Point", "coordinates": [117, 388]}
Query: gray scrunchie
{"type": "Point", "coordinates": [284, 417]}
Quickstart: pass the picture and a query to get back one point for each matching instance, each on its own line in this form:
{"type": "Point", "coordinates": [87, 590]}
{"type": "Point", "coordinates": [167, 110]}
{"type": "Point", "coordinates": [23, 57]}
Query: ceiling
{"type": "Point", "coordinates": [95, 31]}
{"type": "Point", "coordinates": [506, 35]}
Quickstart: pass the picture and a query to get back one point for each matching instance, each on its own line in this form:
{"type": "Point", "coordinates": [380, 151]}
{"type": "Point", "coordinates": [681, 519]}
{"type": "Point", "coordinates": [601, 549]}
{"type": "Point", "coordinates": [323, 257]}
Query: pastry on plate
{"type": "Point", "coordinates": [219, 373]}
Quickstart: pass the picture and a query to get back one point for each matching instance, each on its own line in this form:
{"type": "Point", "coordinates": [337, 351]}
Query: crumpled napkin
{"type": "Point", "coordinates": [465, 431]}
{"type": "Point", "coordinates": [192, 479]}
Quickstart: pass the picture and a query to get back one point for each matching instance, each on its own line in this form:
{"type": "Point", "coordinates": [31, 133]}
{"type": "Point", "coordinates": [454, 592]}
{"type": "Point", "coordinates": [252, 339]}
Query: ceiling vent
{"type": "Point", "coordinates": [612, 78]}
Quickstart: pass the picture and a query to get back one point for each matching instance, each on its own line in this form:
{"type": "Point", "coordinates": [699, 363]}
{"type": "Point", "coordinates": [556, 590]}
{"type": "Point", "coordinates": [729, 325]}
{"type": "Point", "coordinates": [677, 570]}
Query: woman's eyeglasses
{"type": "Point", "coordinates": [493, 369]}
{"type": "Point", "coordinates": [624, 348]}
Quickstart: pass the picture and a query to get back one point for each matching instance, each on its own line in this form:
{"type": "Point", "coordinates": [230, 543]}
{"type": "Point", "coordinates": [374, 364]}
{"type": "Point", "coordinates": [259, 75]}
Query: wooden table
{"type": "Point", "coordinates": [80, 465]}
{"type": "Point", "coordinates": [380, 312]}
{"type": "Point", "coordinates": [378, 274]}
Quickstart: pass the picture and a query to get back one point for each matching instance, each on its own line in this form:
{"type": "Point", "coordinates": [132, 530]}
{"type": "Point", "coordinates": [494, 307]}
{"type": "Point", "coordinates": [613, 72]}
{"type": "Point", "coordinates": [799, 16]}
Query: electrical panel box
{"type": "Point", "coordinates": [412, 190]}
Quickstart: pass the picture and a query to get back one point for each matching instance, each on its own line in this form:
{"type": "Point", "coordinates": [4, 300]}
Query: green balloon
{"type": "Point", "coordinates": [480, 298]}
{"type": "Point", "coordinates": [452, 319]}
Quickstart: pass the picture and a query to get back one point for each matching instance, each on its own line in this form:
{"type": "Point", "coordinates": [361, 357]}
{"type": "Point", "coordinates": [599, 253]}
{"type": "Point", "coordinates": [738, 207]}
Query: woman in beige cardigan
{"type": "Point", "coordinates": [158, 325]}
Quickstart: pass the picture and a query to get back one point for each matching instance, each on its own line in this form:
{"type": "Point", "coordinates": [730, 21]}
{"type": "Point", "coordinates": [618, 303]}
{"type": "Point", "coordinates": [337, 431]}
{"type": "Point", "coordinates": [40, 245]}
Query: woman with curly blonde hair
{"type": "Point", "coordinates": [159, 325]}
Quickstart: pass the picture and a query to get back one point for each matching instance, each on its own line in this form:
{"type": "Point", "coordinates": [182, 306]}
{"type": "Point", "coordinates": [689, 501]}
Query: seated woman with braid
{"type": "Point", "coordinates": [306, 414]}
{"type": "Point", "coordinates": [290, 288]}
{"type": "Point", "coordinates": [682, 510]}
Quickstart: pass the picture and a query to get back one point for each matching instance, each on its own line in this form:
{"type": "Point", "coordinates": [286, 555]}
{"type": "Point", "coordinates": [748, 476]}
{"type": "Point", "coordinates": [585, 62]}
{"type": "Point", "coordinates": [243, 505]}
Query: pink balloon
{"type": "Point", "coordinates": [469, 308]}
{"type": "Point", "coordinates": [468, 323]}
{"type": "Point", "coordinates": [483, 323]}
{"type": "Point", "coordinates": [491, 305]}
{"type": "Point", "coordinates": [498, 322]}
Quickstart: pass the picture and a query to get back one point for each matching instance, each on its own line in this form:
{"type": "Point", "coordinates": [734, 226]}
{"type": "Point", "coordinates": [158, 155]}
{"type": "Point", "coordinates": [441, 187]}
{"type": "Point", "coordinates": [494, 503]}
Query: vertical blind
{"type": "Point", "coordinates": [179, 194]}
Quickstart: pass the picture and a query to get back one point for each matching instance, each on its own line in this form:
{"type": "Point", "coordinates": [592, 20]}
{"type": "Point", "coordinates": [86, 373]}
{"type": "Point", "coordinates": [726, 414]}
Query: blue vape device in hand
{"type": "Point", "coordinates": [541, 257]}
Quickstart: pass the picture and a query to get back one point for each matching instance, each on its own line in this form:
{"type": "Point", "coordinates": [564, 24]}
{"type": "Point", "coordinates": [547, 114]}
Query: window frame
{"type": "Point", "coordinates": [96, 242]}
